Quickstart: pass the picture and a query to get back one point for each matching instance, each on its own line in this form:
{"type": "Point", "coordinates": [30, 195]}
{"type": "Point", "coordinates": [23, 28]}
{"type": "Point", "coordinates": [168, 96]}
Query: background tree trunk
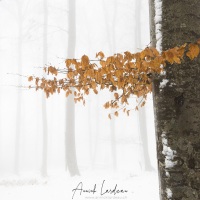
{"type": "Point", "coordinates": [177, 105]}
{"type": "Point", "coordinates": [44, 112]}
{"type": "Point", "coordinates": [18, 116]}
{"type": "Point", "coordinates": [112, 121]}
{"type": "Point", "coordinates": [110, 33]}
{"type": "Point", "coordinates": [71, 160]}
{"type": "Point", "coordinates": [141, 112]}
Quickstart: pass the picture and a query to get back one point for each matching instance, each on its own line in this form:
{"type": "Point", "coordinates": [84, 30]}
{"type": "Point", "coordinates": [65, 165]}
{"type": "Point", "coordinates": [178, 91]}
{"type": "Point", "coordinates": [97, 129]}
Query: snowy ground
{"type": "Point", "coordinates": [60, 186]}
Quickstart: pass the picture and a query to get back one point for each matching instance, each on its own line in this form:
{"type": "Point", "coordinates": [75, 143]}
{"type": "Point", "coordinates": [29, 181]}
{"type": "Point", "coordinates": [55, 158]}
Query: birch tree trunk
{"type": "Point", "coordinates": [177, 104]}
{"type": "Point", "coordinates": [70, 151]}
{"type": "Point", "coordinates": [44, 113]}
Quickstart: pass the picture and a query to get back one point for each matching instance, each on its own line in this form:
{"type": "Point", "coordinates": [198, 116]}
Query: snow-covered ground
{"type": "Point", "coordinates": [60, 186]}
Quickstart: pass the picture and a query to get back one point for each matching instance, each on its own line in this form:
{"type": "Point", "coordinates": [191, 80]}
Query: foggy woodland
{"type": "Point", "coordinates": [40, 137]}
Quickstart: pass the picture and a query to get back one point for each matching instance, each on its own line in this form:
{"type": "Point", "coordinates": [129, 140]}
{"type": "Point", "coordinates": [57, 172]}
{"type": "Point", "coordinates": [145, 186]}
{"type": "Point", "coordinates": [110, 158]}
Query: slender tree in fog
{"type": "Point", "coordinates": [70, 151]}
{"type": "Point", "coordinates": [96, 134]}
{"type": "Point", "coordinates": [19, 63]}
{"type": "Point", "coordinates": [44, 113]}
{"type": "Point", "coordinates": [18, 13]}
{"type": "Point", "coordinates": [90, 136]}
{"type": "Point", "coordinates": [93, 136]}
{"type": "Point", "coordinates": [112, 125]}
{"type": "Point", "coordinates": [141, 112]}
{"type": "Point", "coordinates": [0, 106]}
{"type": "Point", "coordinates": [110, 35]}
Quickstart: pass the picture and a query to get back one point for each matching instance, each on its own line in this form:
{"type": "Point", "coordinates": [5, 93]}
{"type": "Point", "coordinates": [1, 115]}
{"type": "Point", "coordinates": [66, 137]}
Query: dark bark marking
{"type": "Point", "coordinates": [179, 100]}
{"type": "Point", "coordinates": [191, 163]}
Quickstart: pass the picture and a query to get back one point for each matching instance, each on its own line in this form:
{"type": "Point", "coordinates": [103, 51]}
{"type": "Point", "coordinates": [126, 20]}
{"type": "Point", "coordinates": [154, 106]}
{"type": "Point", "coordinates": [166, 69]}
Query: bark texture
{"type": "Point", "coordinates": [177, 106]}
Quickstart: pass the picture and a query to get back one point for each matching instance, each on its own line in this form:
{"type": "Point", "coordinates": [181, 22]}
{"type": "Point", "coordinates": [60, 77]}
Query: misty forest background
{"type": "Point", "coordinates": [35, 33]}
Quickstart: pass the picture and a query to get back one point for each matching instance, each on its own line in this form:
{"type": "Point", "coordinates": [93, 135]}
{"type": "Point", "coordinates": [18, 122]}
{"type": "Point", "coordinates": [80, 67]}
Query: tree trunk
{"type": "Point", "coordinates": [112, 48]}
{"type": "Point", "coordinates": [71, 161]}
{"type": "Point", "coordinates": [112, 122]}
{"type": "Point", "coordinates": [141, 112]}
{"type": "Point", "coordinates": [18, 117]}
{"type": "Point", "coordinates": [97, 132]}
{"type": "Point", "coordinates": [44, 112]}
{"type": "Point", "coordinates": [0, 109]}
{"type": "Point", "coordinates": [177, 105]}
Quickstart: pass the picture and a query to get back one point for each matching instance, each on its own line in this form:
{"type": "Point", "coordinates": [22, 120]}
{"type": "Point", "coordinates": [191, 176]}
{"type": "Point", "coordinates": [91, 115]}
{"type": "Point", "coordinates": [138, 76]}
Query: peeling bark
{"type": "Point", "coordinates": [177, 106]}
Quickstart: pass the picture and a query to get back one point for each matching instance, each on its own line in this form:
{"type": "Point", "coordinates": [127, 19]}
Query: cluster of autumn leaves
{"type": "Point", "coordinates": [124, 74]}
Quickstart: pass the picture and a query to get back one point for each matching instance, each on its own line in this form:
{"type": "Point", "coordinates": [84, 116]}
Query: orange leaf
{"type": "Point", "coordinates": [106, 105]}
{"type": "Point", "coordinates": [193, 51]}
{"type": "Point", "coordinates": [128, 55]}
{"type": "Point", "coordinates": [102, 63]}
{"type": "Point", "coordinates": [146, 52]}
{"type": "Point", "coordinates": [169, 56]}
{"type": "Point", "coordinates": [84, 60]}
{"type": "Point", "coordinates": [143, 103]}
{"type": "Point", "coordinates": [154, 51]}
{"type": "Point", "coordinates": [116, 114]}
{"type": "Point", "coordinates": [181, 50]}
{"type": "Point", "coordinates": [58, 90]}
{"type": "Point", "coordinates": [116, 95]}
{"type": "Point", "coordinates": [177, 60]}
{"type": "Point", "coordinates": [100, 55]}
{"type": "Point", "coordinates": [109, 60]}
{"type": "Point", "coordinates": [95, 91]}
{"type": "Point", "coordinates": [30, 78]}
{"type": "Point", "coordinates": [198, 41]}
{"type": "Point", "coordinates": [68, 62]}
{"type": "Point", "coordinates": [52, 70]}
